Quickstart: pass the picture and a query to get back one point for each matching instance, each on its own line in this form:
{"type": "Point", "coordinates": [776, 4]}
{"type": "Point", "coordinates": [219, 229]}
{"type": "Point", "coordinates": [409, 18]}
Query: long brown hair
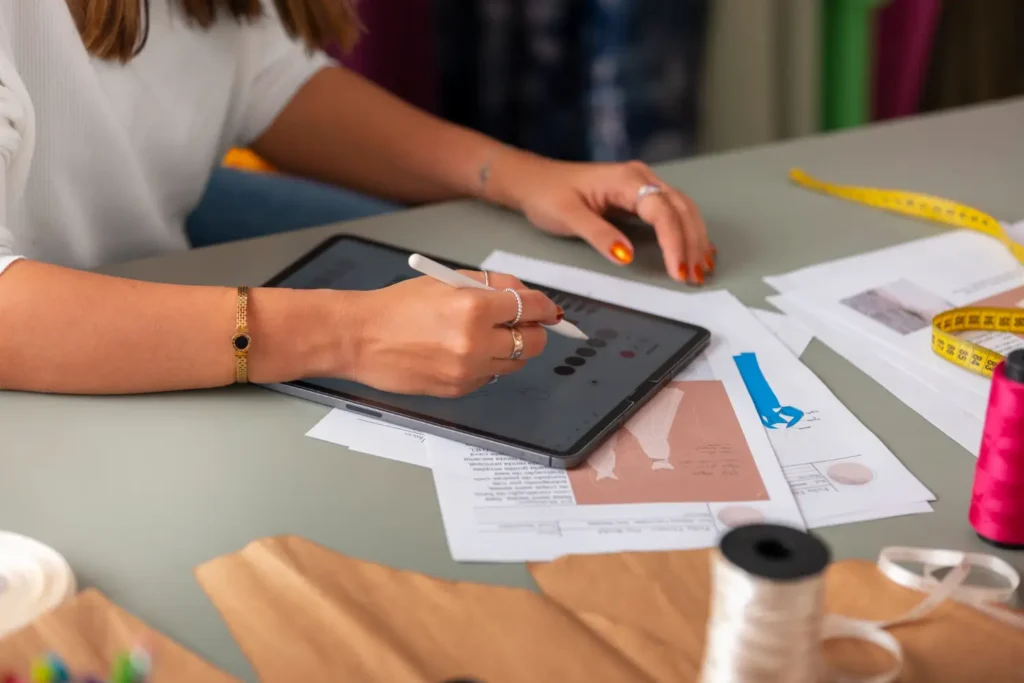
{"type": "Point", "coordinates": [117, 29]}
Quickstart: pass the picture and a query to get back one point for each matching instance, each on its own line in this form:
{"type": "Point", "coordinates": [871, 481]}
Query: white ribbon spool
{"type": "Point", "coordinates": [34, 578]}
{"type": "Point", "coordinates": [768, 630]}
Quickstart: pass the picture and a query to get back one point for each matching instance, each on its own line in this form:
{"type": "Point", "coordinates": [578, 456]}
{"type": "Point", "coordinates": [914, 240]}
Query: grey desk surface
{"type": "Point", "coordinates": [137, 491]}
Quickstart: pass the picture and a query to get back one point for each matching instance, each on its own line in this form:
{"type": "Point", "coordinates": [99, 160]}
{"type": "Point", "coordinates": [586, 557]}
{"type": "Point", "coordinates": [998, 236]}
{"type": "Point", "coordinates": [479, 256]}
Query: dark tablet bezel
{"type": "Point", "coordinates": [569, 457]}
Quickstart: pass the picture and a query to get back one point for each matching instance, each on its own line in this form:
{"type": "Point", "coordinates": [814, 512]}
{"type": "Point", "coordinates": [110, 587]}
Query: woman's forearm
{"type": "Point", "coordinates": [68, 331]}
{"type": "Point", "coordinates": [343, 129]}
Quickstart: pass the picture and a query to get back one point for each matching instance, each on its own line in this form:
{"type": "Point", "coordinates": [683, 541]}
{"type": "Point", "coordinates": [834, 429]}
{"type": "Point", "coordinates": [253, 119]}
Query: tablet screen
{"type": "Point", "coordinates": [566, 395]}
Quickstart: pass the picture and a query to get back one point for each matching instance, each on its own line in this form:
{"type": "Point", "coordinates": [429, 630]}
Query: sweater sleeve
{"type": "Point", "coordinates": [17, 133]}
{"type": "Point", "coordinates": [274, 67]}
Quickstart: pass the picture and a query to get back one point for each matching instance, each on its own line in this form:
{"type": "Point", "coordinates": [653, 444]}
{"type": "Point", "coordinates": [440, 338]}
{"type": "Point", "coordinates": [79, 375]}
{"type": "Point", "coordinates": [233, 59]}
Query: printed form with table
{"type": "Point", "coordinates": [747, 432]}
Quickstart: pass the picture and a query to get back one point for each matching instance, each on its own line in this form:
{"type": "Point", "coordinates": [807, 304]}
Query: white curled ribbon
{"type": "Point", "coordinates": [949, 587]}
{"type": "Point", "coordinates": [34, 578]}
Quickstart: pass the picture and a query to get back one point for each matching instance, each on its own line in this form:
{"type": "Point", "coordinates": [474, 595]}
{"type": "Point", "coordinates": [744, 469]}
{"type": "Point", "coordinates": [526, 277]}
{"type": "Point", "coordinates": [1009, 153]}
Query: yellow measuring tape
{"type": "Point", "coordinates": [945, 343]}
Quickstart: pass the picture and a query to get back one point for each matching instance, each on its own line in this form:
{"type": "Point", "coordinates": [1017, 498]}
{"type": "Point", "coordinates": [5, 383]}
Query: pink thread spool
{"type": "Point", "coordinates": [997, 500]}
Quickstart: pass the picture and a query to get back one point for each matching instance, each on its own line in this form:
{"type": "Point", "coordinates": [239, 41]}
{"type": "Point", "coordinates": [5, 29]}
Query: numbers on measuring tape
{"type": "Point", "coordinates": [967, 354]}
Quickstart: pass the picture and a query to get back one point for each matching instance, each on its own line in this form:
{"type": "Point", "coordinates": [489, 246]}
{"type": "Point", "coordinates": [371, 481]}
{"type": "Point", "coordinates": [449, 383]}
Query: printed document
{"type": "Point", "coordinates": [883, 302]}
{"type": "Point", "coordinates": [676, 478]}
{"type": "Point", "coordinates": [834, 464]}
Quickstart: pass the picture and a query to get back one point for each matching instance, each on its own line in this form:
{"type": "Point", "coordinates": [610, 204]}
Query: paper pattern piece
{"type": "Point", "coordinates": [665, 596]}
{"type": "Point", "coordinates": [303, 613]}
{"type": "Point", "coordinates": [885, 300]}
{"type": "Point", "coordinates": [89, 632]}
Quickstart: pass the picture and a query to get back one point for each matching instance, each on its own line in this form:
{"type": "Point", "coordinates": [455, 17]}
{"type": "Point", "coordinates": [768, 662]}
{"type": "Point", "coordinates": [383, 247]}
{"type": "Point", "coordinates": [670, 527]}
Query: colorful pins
{"type": "Point", "coordinates": [133, 666]}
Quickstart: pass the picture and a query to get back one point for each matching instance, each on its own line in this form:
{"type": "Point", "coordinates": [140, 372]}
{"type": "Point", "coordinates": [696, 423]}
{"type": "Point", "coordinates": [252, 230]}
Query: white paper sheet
{"type": "Point", "coordinates": [888, 298]}
{"type": "Point", "coordinates": [955, 422]}
{"type": "Point", "coordinates": [374, 437]}
{"type": "Point", "coordinates": [834, 464]}
{"type": "Point", "coordinates": [790, 332]}
{"type": "Point", "coordinates": [877, 513]}
{"type": "Point", "coordinates": [881, 304]}
{"type": "Point", "coordinates": [501, 509]}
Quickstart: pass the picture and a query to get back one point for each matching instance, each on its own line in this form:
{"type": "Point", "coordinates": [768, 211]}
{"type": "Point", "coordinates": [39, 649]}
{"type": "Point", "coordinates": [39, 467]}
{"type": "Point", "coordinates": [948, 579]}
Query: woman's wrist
{"type": "Point", "coordinates": [298, 333]}
{"type": "Point", "coordinates": [505, 174]}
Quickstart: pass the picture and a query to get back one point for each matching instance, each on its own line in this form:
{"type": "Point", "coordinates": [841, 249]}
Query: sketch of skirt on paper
{"type": "Point", "coordinates": [704, 444]}
{"type": "Point", "coordinates": [602, 461]}
{"type": "Point", "coordinates": [651, 427]}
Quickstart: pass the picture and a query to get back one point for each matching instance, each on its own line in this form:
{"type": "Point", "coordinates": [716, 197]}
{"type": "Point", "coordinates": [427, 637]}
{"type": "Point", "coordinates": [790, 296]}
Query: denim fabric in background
{"type": "Point", "coordinates": [599, 80]}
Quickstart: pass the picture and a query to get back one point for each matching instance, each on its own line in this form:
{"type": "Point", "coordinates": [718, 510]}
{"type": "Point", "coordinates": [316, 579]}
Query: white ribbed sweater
{"type": "Point", "coordinates": [101, 162]}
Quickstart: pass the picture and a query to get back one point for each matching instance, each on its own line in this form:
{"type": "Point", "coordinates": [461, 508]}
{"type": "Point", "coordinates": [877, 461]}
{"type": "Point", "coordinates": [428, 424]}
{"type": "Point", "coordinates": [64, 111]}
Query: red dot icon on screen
{"type": "Point", "coordinates": [626, 354]}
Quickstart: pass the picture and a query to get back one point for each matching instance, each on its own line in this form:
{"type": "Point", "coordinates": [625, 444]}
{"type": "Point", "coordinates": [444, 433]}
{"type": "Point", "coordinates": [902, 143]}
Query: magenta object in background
{"type": "Point", "coordinates": [904, 34]}
{"type": "Point", "coordinates": [397, 50]}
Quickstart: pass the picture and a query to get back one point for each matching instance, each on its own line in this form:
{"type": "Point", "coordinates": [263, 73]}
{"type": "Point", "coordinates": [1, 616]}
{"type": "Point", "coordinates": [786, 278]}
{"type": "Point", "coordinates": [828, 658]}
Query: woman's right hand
{"type": "Point", "coordinates": [422, 336]}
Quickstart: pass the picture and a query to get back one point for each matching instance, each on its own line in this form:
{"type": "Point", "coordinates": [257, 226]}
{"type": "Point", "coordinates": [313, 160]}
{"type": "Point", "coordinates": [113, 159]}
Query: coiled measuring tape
{"type": "Point", "coordinates": [945, 343]}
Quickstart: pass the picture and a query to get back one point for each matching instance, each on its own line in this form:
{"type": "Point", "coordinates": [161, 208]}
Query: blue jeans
{"type": "Point", "coordinates": [240, 204]}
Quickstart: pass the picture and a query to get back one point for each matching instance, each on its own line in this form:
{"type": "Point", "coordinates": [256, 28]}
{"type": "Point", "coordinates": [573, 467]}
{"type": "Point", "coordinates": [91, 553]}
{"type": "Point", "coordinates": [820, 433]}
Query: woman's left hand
{"type": "Point", "coordinates": [573, 199]}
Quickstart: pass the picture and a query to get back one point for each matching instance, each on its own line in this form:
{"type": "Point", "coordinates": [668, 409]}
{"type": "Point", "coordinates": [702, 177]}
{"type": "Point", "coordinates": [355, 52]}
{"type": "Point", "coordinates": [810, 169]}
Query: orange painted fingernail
{"type": "Point", "coordinates": [683, 275]}
{"type": "Point", "coordinates": [561, 314]}
{"type": "Point", "coordinates": [709, 262]}
{"type": "Point", "coordinates": [698, 275]}
{"type": "Point", "coordinates": [622, 253]}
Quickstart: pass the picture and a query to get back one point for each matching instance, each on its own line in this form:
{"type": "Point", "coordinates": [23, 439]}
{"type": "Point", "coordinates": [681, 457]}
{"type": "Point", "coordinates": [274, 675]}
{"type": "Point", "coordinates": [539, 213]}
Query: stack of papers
{"type": "Point", "coordinates": [875, 310]}
{"type": "Point", "coordinates": [746, 433]}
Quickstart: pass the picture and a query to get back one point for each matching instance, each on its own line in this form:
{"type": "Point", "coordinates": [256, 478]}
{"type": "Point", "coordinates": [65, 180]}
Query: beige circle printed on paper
{"type": "Point", "coordinates": [739, 515]}
{"type": "Point", "coordinates": [851, 474]}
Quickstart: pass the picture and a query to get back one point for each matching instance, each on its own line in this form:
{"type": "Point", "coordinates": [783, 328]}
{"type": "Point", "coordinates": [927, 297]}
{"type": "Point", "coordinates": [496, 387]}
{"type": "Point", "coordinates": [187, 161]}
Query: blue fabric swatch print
{"type": "Point", "coordinates": [773, 414]}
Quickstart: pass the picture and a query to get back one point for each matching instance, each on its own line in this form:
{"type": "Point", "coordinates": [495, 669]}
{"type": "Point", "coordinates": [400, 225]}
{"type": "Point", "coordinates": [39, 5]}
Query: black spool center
{"type": "Point", "coordinates": [773, 551]}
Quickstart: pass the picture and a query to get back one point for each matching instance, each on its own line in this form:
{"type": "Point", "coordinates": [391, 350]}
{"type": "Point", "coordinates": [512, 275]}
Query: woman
{"type": "Point", "coordinates": [113, 114]}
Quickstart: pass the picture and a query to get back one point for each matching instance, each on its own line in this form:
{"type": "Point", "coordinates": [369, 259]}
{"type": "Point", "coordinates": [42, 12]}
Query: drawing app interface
{"type": "Point", "coordinates": [551, 403]}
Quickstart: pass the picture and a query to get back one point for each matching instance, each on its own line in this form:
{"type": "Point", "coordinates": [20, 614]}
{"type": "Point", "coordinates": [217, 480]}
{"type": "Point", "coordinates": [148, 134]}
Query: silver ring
{"type": "Point", "coordinates": [517, 344]}
{"type": "Point", "coordinates": [646, 191]}
{"type": "Point", "coordinates": [493, 379]}
{"type": "Point", "coordinates": [519, 307]}
{"type": "Point", "coordinates": [487, 278]}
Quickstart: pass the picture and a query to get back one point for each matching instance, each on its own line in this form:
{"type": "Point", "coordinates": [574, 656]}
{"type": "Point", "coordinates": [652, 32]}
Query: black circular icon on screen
{"type": "Point", "coordinates": [564, 370]}
{"type": "Point", "coordinates": [585, 352]}
{"type": "Point", "coordinates": [606, 334]}
{"type": "Point", "coordinates": [597, 343]}
{"type": "Point", "coordinates": [575, 361]}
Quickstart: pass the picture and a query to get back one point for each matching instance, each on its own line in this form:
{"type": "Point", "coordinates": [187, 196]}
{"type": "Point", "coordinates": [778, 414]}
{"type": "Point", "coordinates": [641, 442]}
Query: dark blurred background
{"type": "Point", "coordinates": [662, 79]}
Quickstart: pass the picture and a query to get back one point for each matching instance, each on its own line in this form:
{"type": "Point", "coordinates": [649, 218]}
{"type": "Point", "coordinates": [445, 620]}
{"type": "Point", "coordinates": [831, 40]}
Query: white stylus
{"type": "Point", "coordinates": [422, 264]}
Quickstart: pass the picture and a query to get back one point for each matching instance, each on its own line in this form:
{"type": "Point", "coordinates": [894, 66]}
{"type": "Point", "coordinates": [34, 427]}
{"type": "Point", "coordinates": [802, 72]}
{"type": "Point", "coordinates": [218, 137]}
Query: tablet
{"type": "Point", "coordinates": [555, 411]}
